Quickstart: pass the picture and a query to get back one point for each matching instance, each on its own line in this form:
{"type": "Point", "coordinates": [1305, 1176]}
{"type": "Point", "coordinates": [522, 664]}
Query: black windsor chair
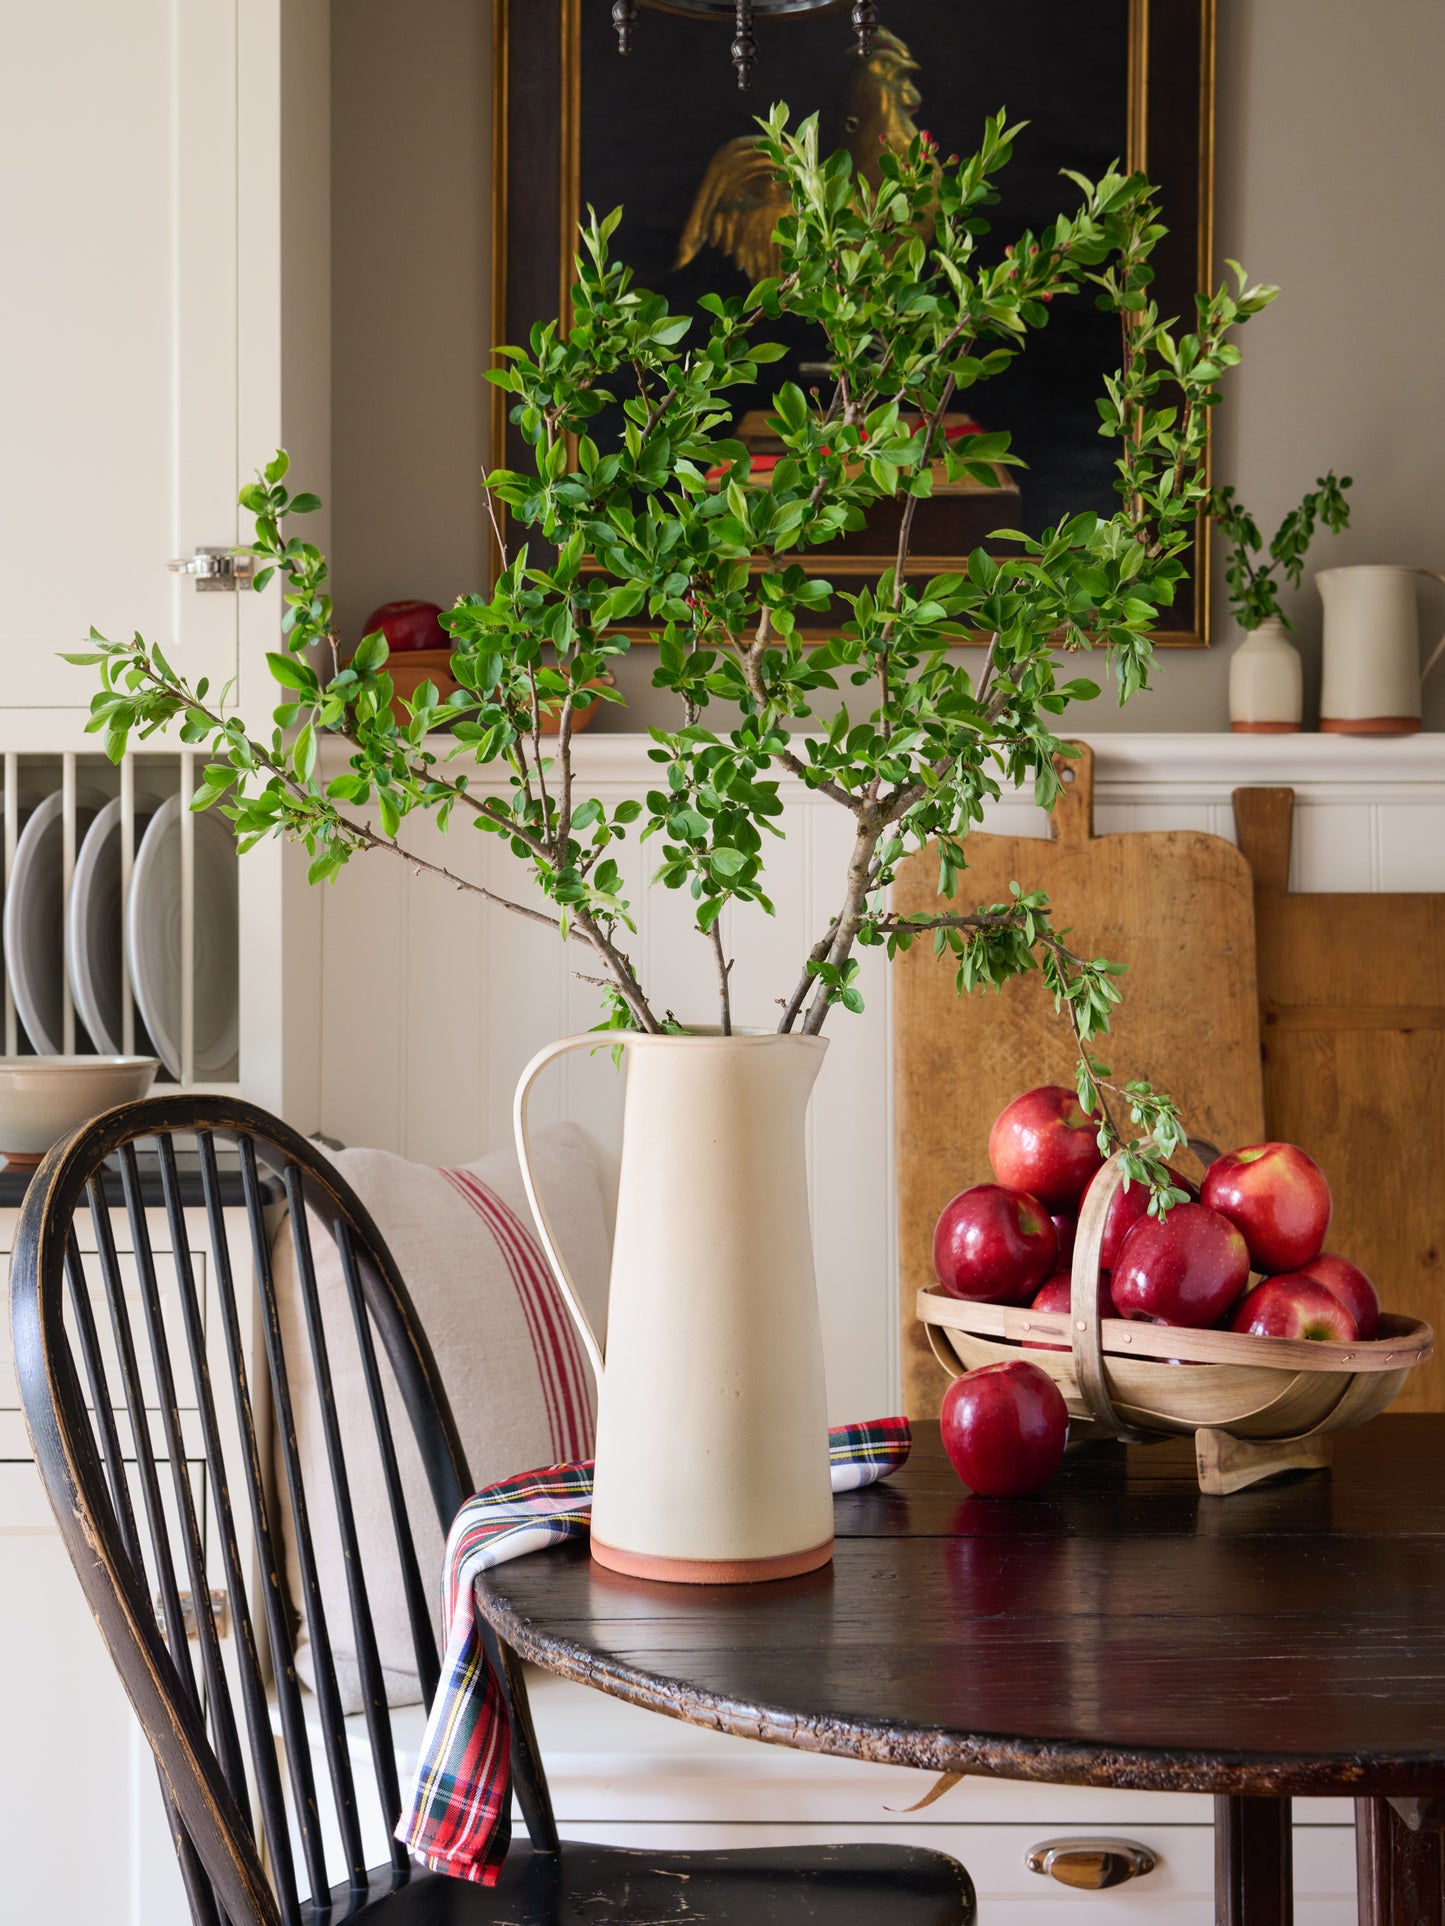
{"type": "Point", "coordinates": [152, 1439]}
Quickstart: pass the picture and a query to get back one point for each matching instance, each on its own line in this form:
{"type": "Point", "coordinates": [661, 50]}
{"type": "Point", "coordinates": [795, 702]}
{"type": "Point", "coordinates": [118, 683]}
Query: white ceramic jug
{"type": "Point", "coordinates": [712, 1423]}
{"type": "Point", "coordinates": [1372, 673]}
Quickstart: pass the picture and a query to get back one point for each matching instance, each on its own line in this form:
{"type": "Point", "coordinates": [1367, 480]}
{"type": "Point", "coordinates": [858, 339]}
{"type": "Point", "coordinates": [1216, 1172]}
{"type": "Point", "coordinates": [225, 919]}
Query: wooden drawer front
{"type": "Point", "coordinates": [1179, 1892]}
{"type": "Point", "coordinates": [175, 1327]}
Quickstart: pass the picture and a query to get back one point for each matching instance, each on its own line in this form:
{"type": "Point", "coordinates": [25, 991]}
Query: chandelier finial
{"type": "Point", "coordinates": [624, 19]}
{"type": "Point", "coordinates": [745, 44]}
{"type": "Point", "coordinates": [865, 25]}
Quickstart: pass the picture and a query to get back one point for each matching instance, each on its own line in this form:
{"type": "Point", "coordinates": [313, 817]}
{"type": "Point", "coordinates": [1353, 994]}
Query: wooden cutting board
{"type": "Point", "coordinates": [1176, 905]}
{"type": "Point", "coordinates": [1352, 1014]}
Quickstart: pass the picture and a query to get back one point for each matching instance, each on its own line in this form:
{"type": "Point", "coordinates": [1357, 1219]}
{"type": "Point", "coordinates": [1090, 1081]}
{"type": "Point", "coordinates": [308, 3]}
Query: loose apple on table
{"type": "Point", "coordinates": [1004, 1428]}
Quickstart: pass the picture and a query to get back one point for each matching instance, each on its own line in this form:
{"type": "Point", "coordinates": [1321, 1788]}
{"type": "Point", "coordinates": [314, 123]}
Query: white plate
{"type": "Point", "coordinates": [94, 929]}
{"type": "Point", "coordinates": [153, 941]}
{"type": "Point", "coordinates": [35, 919]}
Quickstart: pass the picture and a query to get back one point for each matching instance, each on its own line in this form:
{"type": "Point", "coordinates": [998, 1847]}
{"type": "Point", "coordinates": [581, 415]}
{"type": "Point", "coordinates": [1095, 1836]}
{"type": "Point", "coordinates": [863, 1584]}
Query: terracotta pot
{"type": "Point", "coordinates": [581, 718]}
{"type": "Point", "coordinates": [409, 669]}
{"type": "Point", "coordinates": [712, 1427]}
{"type": "Point", "coordinates": [413, 667]}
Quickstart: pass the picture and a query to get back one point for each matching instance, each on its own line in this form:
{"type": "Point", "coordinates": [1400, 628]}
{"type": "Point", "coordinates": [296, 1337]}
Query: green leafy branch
{"type": "Point", "coordinates": [1253, 584]}
{"type": "Point", "coordinates": [638, 512]}
{"type": "Point", "coordinates": [1000, 941]}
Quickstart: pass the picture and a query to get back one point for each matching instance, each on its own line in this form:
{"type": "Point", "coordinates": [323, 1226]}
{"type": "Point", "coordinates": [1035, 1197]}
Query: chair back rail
{"type": "Point", "coordinates": [149, 1413]}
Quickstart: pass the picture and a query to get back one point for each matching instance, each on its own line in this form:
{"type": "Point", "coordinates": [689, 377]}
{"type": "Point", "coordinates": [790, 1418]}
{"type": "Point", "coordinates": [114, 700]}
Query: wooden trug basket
{"type": "Point", "coordinates": [1255, 1405]}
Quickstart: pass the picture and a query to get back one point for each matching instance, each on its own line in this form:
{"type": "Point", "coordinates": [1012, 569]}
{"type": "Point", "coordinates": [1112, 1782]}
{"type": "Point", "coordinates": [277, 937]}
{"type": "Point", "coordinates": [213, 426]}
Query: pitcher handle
{"type": "Point", "coordinates": [1436, 575]}
{"type": "Point", "coordinates": [565, 1284]}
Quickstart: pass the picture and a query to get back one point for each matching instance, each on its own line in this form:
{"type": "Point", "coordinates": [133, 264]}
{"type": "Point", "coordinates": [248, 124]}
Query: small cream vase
{"type": "Point", "coordinates": [1266, 687]}
{"type": "Point", "coordinates": [712, 1425]}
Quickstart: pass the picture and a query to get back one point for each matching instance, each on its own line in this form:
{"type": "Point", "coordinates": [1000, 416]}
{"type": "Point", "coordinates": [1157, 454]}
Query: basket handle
{"type": "Point", "coordinates": [1085, 1321]}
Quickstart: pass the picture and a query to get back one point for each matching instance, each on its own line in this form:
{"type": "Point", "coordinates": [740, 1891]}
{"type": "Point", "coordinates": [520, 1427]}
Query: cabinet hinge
{"type": "Point", "coordinates": [215, 570]}
{"type": "Point", "coordinates": [220, 1613]}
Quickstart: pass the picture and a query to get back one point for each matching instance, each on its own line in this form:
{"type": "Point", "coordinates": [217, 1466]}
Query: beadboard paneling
{"type": "Point", "coordinates": [435, 1002]}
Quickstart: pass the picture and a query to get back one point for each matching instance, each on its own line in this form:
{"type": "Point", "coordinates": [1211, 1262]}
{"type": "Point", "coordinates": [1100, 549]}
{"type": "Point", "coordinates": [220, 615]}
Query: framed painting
{"type": "Point", "coordinates": [661, 133]}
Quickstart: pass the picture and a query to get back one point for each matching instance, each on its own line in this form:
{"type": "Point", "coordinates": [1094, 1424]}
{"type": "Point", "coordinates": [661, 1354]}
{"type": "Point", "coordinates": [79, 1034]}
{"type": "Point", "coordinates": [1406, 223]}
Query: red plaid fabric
{"type": "Point", "coordinates": [458, 1819]}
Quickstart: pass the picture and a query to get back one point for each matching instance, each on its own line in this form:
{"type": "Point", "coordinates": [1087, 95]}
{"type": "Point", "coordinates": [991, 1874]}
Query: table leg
{"type": "Point", "coordinates": [1253, 1863]}
{"type": "Point", "coordinates": [1401, 1872]}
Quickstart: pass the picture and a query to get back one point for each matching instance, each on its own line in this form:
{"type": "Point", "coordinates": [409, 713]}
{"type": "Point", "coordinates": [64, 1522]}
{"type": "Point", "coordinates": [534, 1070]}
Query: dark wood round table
{"type": "Point", "coordinates": [1120, 1629]}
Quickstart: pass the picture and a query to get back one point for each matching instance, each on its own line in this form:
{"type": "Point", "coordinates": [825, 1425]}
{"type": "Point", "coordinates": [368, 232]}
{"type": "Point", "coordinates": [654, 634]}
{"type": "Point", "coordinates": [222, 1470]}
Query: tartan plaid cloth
{"type": "Point", "coordinates": [458, 1819]}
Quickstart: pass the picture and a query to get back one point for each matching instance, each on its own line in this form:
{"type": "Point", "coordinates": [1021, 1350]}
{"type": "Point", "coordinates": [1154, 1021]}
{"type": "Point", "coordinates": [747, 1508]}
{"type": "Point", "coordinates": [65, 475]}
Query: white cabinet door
{"type": "Point", "coordinates": [118, 332]}
{"type": "Point", "coordinates": [83, 1833]}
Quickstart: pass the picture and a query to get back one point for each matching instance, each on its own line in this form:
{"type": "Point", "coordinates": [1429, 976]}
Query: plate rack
{"type": "Point", "coordinates": [137, 781]}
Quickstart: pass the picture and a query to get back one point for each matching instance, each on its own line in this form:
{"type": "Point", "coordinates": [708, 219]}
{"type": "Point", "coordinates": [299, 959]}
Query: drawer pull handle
{"type": "Point", "coordinates": [1091, 1864]}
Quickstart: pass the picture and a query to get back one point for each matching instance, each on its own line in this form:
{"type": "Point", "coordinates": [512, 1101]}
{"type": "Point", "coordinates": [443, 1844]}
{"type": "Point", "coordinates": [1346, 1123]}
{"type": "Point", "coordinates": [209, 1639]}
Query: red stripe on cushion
{"type": "Point", "coordinates": [562, 1350]}
{"type": "Point", "coordinates": [554, 1340]}
{"type": "Point", "coordinates": [461, 1182]}
{"type": "Point", "coordinates": [566, 1347]}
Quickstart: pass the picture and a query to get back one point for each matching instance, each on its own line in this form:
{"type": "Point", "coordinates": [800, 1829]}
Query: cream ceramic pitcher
{"type": "Point", "coordinates": [1372, 673]}
{"type": "Point", "coordinates": [712, 1423]}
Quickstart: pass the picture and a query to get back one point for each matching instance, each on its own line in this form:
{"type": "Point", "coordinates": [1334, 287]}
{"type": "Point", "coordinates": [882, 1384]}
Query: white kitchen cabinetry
{"type": "Point", "coordinates": [165, 327]}
{"type": "Point", "coordinates": [73, 1762]}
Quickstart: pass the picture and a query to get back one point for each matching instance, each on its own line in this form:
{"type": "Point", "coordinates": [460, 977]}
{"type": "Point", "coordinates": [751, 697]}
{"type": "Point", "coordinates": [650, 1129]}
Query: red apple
{"type": "Point", "coordinates": [408, 625]}
{"type": "Point", "coordinates": [1004, 1428]}
{"type": "Point", "coordinates": [1349, 1284]}
{"type": "Point", "coordinates": [1066, 1228]}
{"type": "Point", "coordinates": [1130, 1203]}
{"type": "Point", "coordinates": [994, 1245]}
{"type": "Point", "coordinates": [1044, 1143]}
{"type": "Point", "coordinates": [1186, 1268]}
{"type": "Point", "coordinates": [1294, 1306]}
{"type": "Point", "coordinates": [1278, 1197]}
{"type": "Point", "coordinates": [1057, 1295]}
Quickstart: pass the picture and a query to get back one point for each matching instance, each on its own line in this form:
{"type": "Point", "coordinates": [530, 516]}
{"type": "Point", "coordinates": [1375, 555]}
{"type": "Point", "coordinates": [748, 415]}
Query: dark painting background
{"type": "Point", "coordinates": [650, 125]}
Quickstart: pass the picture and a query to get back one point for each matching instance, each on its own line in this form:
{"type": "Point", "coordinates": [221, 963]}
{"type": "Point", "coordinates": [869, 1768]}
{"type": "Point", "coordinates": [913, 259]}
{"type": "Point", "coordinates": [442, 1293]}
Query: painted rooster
{"type": "Point", "coordinates": [740, 202]}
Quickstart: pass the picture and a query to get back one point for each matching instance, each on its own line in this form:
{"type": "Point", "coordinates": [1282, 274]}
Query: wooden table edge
{"type": "Point", "coordinates": [1067, 1762]}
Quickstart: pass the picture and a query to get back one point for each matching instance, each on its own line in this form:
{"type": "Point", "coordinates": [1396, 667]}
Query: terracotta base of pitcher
{"type": "Point", "coordinates": [1370, 726]}
{"type": "Point", "coordinates": [712, 1571]}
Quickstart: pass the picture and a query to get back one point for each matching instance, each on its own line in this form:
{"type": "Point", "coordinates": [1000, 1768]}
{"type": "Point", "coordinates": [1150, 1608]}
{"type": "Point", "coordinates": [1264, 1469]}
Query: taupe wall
{"type": "Point", "coordinates": [411, 145]}
{"type": "Point", "coordinates": [1331, 181]}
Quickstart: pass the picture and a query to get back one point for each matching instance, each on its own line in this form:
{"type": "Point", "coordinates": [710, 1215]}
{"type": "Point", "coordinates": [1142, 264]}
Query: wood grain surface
{"type": "Point", "coordinates": [1175, 906]}
{"type": "Point", "coordinates": [1117, 1629]}
{"type": "Point", "coordinates": [1352, 1014]}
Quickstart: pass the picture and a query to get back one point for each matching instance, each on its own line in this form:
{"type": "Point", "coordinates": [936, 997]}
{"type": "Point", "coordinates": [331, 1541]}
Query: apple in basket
{"type": "Point", "coordinates": [1277, 1195]}
{"type": "Point", "coordinates": [1004, 1428]}
{"type": "Point", "coordinates": [1044, 1142]}
{"type": "Point", "coordinates": [1294, 1306]}
{"type": "Point", "coordinates": [1057, 1295]}
{"type": "Point", "coordinates": [1349, 1284]}
{"type": "Point", "coordinates": [1066, 1229]}
{"type": "Point", "coordinates": [994, 1245]}
{"type": "Point", "coordinates": [1131, 1202]}
{"type": "Point", "coordinates": [1187, 1268]}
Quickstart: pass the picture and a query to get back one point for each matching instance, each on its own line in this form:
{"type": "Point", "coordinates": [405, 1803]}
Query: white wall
{"type": "Point", "coordinates": [1330, 181]}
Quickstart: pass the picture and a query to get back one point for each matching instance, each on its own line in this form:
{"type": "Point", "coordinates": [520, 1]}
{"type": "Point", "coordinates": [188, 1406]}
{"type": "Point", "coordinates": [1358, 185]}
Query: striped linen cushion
{"type": "Point", "coordinates": [507, 1350]}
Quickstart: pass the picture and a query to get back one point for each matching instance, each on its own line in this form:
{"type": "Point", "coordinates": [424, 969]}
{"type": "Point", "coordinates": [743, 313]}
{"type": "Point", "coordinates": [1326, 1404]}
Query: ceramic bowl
{"type": "Point", "coordinates": [44, 1098]}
